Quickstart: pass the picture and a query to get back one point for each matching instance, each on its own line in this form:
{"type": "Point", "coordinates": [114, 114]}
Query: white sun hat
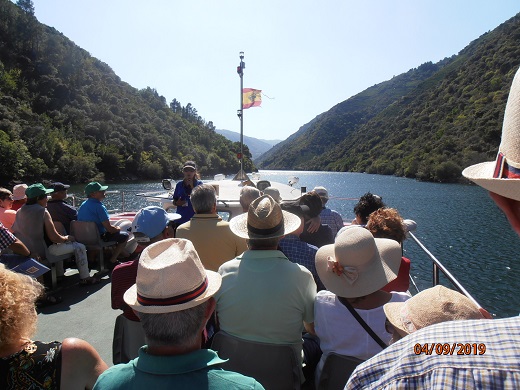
{"type": "Point", "coordinates": [502, 176]}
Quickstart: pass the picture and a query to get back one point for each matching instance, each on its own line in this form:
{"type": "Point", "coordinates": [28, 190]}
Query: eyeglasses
{"type": "Point", "coordinates": [389, 327]}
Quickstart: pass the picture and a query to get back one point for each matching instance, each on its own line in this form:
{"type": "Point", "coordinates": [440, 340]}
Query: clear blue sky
{"type": "Point", "coordinates": [307, 55]}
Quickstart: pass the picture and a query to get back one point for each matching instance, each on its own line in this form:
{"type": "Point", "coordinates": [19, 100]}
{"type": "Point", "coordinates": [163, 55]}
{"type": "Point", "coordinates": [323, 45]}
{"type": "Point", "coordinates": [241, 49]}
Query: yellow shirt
{"type": "Point", "coordinates": [213, 239]}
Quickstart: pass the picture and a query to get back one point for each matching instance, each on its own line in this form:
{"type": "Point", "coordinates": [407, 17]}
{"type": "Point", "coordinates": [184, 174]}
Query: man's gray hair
{"type": "Point", "coordinates": [203, 198]}
{"type": "Point", "coordinates": [179, 328]}
{"type": "Point", "coordinates": [247, 195]}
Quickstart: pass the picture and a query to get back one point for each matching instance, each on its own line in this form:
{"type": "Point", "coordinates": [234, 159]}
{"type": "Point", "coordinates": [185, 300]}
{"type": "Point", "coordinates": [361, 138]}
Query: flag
{"type": "Point", "coordinates": [251, 97]}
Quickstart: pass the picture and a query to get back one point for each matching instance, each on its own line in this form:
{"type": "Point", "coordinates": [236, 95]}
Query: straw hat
{"type": "Point", "coordinates": [502, 175]}
{"type": "Point", "coordinates": [368, 263]}
{"type": "Point", "coordinates": [431, 306]}
{"type": "Point", "coordinates": [170, 277]}
{"type": "Point", "coordinates": [264, 219]}
{"type": "Point", "coordinates": [19, 191]}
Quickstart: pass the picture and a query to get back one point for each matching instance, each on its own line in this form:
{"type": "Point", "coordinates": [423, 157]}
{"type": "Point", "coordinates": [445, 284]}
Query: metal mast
{"type": "Point", "coordinates": [241, 175]}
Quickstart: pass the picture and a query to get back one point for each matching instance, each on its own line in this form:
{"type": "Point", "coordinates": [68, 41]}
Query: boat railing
{"type": "Point", "coordinates": [76, 200]}
{"type": "Point", "coordinates": [438, 267]}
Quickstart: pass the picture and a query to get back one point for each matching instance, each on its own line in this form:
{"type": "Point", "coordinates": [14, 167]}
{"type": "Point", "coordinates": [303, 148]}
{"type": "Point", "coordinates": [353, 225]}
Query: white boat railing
{"type": "Point", "coordinates": [439, 267]}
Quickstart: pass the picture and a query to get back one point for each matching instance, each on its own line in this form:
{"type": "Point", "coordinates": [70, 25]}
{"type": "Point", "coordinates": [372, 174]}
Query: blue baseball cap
{"type": "Point", "coordinates": [151, 221]}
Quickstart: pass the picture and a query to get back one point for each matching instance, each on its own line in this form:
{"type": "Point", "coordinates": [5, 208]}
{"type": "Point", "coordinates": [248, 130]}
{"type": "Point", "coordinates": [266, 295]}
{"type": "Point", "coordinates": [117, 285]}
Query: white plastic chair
{"type": "Point", "coordinates": [275, 366]}
{"type": "Point", "coordinates": [53, 259]}
{"type": "Point", "coordinates": [88, 234]}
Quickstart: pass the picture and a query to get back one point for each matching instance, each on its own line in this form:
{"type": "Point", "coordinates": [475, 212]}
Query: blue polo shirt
{"type": "Point", "coordinates": [92, 210]}
{"type": "Point", "coordinates": [195, 370]}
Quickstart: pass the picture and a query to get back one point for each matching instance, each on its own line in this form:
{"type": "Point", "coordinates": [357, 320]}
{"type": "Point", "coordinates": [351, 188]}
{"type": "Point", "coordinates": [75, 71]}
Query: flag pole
{"type": "Point", "coordinates": [241, 175]}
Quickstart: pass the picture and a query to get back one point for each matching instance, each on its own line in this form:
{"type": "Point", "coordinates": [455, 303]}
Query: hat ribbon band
{"type": "Point", "coordinates": [175, 300]}
{"type": "Point", "coordinates": [265, 232]}
{"type": "Point", "coordinates": [503, 170]}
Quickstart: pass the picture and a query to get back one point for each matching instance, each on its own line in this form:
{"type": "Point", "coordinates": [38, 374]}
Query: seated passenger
{"type": "Point", "coordinates": [353, 270]}
{"type": "Point", "coordinates": [329, 217]}
{"type": "Point", "coordinates": [297, 250]}
{"type": "Point", "coordinates": [247, 195]}
{"type": "Point", "coordinates": [211, 236]}
{"type": "Point", "coordinates": [19, 196]}
{"type": "Point", "coordinates": [93, 210]}
{"type": "Point", "coordinates": [34, 227]}
{"type": "Point", "coordinates": [264, 296]}
{"type": "Point", "coordinates": [387, 223]}
{"type": "Point", "coordinates": [151, 224]}
{"type": "Point", "coordinates": [7, 216]}
{"type": "Point", "coordinates": [28, 364]}
{"type": "Point", "coordinates": [59, 210]}
{"type": "Point", "coordinates": [431, 306]}
{"type": "Point", "coordinates": [273, 193]}
{"type": "Point", "coordinates": [173, 297]}
{"type": "Point", "coordinates": [366, 205]}
{"type": "Point", "coordinates": [315, 232]}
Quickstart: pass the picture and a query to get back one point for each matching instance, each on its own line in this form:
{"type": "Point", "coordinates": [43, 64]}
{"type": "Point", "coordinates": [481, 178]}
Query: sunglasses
{"type": "Point", "coordinates": [389, 327]}
{"type": "Point", "coordinates": [10, 197]}
{"type": "Point", "coordinates": [188, 170]}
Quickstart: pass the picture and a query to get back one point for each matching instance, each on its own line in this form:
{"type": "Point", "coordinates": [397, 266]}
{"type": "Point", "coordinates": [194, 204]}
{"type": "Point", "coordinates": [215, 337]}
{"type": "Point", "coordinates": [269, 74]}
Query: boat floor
{"type": "Point", "coordinates": [85, 313]}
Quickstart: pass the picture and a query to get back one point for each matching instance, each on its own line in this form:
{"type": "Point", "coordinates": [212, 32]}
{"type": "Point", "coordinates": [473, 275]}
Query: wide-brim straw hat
{"type": "Point", "coordinates": [502, 176]}
{"type": "Point", "coordinates": [368, 263]}
{"type": "Point", "coordinates": [264, 219]}
{"type": "Point", "coordinates": [171, 277]}
{"type": "Point", "coordinates": [431, 306]}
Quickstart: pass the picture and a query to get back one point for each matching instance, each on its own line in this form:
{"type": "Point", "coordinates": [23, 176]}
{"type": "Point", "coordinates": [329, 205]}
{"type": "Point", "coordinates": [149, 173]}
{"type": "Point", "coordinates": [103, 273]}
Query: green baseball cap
{"type": "Point", "coordinates": [35, 190]}
{"type": "Point", "coordinates": [93, 187]}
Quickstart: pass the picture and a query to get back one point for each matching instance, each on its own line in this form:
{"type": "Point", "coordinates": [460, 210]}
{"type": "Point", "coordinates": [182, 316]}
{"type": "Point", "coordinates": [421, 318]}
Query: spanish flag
{"type": "Point", "coordinates": [251, 97]}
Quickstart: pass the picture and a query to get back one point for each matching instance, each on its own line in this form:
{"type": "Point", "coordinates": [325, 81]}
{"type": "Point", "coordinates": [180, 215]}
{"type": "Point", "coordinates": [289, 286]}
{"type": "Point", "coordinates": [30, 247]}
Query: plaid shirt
{"type": "Point", "coordinates": [408, 364]}
{"type": "Point", "coordinates": [300, 252]}
{"type": "Point", "coordinates": [331, 218]}
{"type": "Point", "coordinates": [6, 237]}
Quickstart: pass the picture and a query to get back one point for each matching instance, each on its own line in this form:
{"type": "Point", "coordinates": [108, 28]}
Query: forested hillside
{"type": "Point", "coordinates": [67, 116]}
{"type": "Point", "coordinates": [256, 146]}
{"type": "Point", "coordinates": [428, 123]}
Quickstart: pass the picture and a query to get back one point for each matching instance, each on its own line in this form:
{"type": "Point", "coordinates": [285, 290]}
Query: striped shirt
{"type": "Point", "coordinates": [412, 362]}
{"type": "Point", "coordinates": [331, 218]}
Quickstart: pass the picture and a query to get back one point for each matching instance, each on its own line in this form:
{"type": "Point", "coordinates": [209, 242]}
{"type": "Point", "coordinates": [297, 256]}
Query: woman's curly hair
{"type": "Point", "coordinates": [366, 205]}
{"type": "Point", "coordinates": [18, 294]}
{"type": "Point", "coordinates": [387, 223]}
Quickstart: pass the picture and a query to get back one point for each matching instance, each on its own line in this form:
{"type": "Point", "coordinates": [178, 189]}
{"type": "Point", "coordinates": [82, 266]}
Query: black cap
{"type": "Point", "coordinates": [59, 186]}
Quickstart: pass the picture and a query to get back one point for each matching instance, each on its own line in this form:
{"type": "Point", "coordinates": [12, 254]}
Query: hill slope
{"type": "Point", "coordinates": [256, 146]}
{"type": "Point", "coordinates": [427, 123]}
{"type": "Point", "coordinates": [65, 115]}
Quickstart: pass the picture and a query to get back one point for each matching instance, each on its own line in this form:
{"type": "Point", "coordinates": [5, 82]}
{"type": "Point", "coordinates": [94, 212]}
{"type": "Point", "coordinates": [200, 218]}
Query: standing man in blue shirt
{"type": "Point", "coordinates": [93, 210]}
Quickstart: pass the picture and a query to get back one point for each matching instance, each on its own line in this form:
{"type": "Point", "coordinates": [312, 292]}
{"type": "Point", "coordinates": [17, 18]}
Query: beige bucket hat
{"type": "Point", "coordinates": [368, 263]}
{"type": "Point", "coordinates": [171, 277]}
{"type": "Point", "coordinates": [264, 219]}
{"type": "Point", "coordinates": [431, 306]}
{"type": "Point", "coordinates": [502, 176]}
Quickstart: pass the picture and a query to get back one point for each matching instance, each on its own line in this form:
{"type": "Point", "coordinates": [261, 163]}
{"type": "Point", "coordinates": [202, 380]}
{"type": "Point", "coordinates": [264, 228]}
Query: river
{"type": "Point", "coordinates": [459, 224]}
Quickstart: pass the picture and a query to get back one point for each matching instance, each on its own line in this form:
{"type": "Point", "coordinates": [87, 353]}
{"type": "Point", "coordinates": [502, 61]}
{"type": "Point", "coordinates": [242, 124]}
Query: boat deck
{"type": "Point", "coordinates": [85, 313]}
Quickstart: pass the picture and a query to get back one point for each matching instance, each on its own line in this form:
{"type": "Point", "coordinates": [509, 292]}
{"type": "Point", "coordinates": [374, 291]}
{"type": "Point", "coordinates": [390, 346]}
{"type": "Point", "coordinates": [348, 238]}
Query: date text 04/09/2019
{"type": "Point", "coordinates": [450, 349]}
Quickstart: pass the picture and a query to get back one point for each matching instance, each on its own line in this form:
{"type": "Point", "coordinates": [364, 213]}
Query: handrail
{"type": "Point", "coordinates": [437, 266]}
